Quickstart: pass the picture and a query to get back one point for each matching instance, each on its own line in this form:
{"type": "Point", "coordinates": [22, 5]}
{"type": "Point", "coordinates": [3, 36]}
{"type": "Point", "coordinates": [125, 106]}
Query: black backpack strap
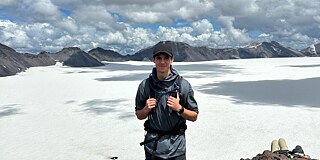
{"type": "Point", "coordinates": [179, 82]}
{"type": "Point", "coordinates": [149, 83]}
{"type": "Point", "coordinates": [183, 97]}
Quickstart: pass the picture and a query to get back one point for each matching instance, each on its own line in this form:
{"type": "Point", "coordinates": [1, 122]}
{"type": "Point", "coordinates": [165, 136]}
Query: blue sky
{"type": "Point", "coordinates": [127, 26]}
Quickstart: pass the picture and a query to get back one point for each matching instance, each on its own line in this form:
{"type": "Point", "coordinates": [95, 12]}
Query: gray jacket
{"type": "Point", "coordinates": [162, 117]}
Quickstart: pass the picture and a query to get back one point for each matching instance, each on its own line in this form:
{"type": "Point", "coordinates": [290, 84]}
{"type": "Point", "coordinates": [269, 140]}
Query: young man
{"type": "Point", "coordinates": [167, 101]}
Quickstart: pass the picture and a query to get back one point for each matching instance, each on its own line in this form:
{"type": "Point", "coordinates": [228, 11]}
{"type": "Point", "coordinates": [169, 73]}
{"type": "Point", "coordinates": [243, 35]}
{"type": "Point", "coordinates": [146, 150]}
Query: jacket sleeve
{"type": "Point", "coordinates": [141, 96]}
{"type": "Point", "coordinates": [190, 102]}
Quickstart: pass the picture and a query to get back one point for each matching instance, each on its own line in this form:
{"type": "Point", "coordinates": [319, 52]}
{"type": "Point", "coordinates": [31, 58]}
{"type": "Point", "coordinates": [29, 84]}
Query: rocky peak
{"type": "Point", "coordinates": [12, 62]}
{"type": "Point", "coordinates": [106, 55]}
{"type": "Point", "coordinates": [4, 47]}
{"type": "Point", "coordinates": [312, 50]}
{"type": "Point", "coordinates": [75, 57]}
{"type": "Point", "coordinates": [44, 52]}
{"type": "Point", "coordinates": [70, 50]}
{"type": "Point", "coordinates": [275, 43]}
{"type": "Point", "coordinates": [98, 49]}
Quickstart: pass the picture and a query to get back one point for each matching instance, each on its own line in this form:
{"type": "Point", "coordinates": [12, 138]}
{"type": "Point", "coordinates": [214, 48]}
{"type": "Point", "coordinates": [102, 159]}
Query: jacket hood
{"type": "Point", "coordinates": [171, 77]}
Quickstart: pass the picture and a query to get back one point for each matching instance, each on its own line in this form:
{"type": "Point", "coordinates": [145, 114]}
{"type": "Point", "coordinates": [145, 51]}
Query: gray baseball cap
{"type": "Point", "coordinates": [162, 47]}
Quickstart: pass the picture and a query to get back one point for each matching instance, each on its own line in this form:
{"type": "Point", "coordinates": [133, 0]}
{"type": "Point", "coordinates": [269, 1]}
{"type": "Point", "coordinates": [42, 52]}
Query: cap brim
{"type": "Point", "coordinates": [162, 52]}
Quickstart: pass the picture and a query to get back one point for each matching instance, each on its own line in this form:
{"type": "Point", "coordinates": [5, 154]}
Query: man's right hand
{"type": "Point", "coordinates": [143, 113]}
{"type": "Point", "coordinates": [150, 103]}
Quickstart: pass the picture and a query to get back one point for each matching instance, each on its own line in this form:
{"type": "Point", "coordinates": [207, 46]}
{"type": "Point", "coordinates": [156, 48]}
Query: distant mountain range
{"type": "Point", "coordinates": [12, 62]}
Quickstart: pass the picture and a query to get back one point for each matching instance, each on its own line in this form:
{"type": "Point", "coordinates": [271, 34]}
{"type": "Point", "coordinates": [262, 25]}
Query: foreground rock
{"type": "Point", "coordinates": [268, 155]}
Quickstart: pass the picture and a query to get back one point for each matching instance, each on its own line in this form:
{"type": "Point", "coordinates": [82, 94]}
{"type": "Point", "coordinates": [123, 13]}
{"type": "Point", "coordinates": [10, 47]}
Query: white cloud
{"type": "Point", "coordinates": [264, 35]}
{"type": "Point", "coordinates": [44, 7]}
{"type": "Point", "coordinates": [147, 17]}
{"type": "Point", "coordinates": [238, 8]}
{"type": "Point", "coordinates": [173, 34]}
{"type": "Point", "coordinates": [66, 40]}
{"type": "Point", "coordinates": [41, 31]}
{"type": "Point", "coordinates": [96, 16]}
{"type": "Point", "coordinates": [202, 26]}
{"type": "Point", "coordinates": [285, 15]}
{"type": "Point", "coordinates": [4, 3]}
{"type": "Point", "coordinates": [317, 19]}
{"type": "Point", "coordinates": [69, 25]}
{"type": "Point", "coordinates": [114, 38]}
{"type": "Point", "coordinates": [186, 37]}
{"type": "Point", "coordinates": [226, 21]}
{"type": "Point", "coordinates": [38, 11]}
{"type": "Point", "coordinates": [300, 37]}
{"type": "Point", "coordinates": [123, 25]}
{"type": "Point", "coordinates": [164, 12]}
{"type": "Point", "coordinates": [13, 35]}
{"type": "Point", "coordinates": [7, 24]}
{"type": "Point", "coordinates": [236, 35]}
{"type": "Point", "coordinates": [203, 37]}
{"type": "Point", "coordinates": [192, 9]}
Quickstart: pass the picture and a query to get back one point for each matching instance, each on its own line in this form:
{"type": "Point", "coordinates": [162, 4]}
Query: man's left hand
{"type": "Point", "coordinates": [173, 103]}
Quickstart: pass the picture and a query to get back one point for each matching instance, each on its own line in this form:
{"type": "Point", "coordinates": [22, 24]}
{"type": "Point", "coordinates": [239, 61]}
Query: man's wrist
{"type": "Point", "coordinates": [181, 110]}
{"type": "Point", "coordinates": [146, 109]}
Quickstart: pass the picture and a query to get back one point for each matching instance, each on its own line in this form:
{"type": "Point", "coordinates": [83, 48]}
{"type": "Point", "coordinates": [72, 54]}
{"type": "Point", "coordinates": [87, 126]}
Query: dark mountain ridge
{"type": "Point", "coordinates": [267, 50]}
{"type": "Point", "coordinates": [106, 55]}
{"type": "Point", "coordinates": [313, 50]}
{"type": "Point", "coordinates": [12, 62]}
{"type": "Point", "coordinates": [183, 52]}
{"type": "Point", "coordinates": [75, 57]}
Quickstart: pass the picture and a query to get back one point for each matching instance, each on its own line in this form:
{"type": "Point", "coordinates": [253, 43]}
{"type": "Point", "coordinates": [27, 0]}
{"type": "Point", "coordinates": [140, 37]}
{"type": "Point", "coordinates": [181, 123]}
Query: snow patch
{"type": "Point", "coordinates": [253, 45]}
{"type": "Point", "coordinates": [313, 49]}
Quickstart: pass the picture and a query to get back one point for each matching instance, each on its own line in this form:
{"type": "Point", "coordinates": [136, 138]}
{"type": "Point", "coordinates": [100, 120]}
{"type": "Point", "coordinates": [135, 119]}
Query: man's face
{"type": "Point", "coordinates": [162, 62]}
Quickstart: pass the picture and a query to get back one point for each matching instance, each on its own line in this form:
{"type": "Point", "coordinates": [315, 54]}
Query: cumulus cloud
{"type": "Point", "coordinates": [202, 26]}
{"type": "Point", "coordinates": [37, 11]}
{"type": "Point", "coordinates": [147, 17]}
{"type": "Point", "coordinates": [236, 35]}
{"type": "Point", "coordinates": [300, 37]}
{"type": "Point", "coordinates": [114, 38]}
{"type": "Point", "coordinates": [5, 3]}
{"type": "Point", "coordinates": [14, 35]}
{"type": "Point", "coordinates": [96, 16]}
{"type": "Point", "coordinates": [294, 16]}
{"type": "Point", "coordinates": [68, 24]}
{"type": "Point", "coordinates": [264, 35]}
{"type": "Point", "coordinates": [164, 12]}
{"type": "Point", "coordinates": [238, 8]}
{"type": "Point", "coordinates": [130, 25]}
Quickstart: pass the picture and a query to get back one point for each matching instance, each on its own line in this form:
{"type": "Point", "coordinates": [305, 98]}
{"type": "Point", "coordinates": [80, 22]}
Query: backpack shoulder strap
{"type": "Point", "coordinates": [149, 83]}
{"type": "Point", "coordinates": [179, 82]}
{"type": "Point", "coordinates": [182, 91]}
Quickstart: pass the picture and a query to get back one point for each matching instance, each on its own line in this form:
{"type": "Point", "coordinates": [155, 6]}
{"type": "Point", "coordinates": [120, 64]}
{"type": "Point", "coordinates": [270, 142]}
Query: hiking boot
{"type": "Point", "coordinates": [274, 146]}
{"type": "Point", "coordinates": [283, 144]}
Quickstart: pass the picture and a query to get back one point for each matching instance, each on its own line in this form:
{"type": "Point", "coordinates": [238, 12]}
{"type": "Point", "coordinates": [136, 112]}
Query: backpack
{"type": "Point", "coordinates": [180, 128]}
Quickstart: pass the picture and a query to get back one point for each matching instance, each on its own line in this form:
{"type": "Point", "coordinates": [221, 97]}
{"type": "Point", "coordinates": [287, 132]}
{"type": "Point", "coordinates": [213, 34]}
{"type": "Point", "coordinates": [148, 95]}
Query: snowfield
{"type": "Point", "coordinates": [64, 113]}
